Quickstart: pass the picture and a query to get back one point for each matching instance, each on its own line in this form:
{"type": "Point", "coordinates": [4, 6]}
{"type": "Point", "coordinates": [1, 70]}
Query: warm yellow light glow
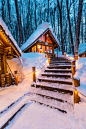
{"type": "Point", "coordinates": [49, 60]}
{"type": "Point", "coordinates": [72, 58]}
{"type": "Point", "coordinates": [76, 92]}
{"type": "Point", "coordinates": [0, 43]}
{"type": "Point", "coordinates": [79, 94]}
{"type": "Point", "coordinates": [39, 46]}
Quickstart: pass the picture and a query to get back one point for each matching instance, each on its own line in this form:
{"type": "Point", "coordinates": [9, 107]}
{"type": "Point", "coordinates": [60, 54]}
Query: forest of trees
{"type": "Point", "coordinates": [23, 17]}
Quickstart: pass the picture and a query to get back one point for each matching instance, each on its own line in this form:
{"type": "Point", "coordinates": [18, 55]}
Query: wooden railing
{"type": "Point", "coordinates": [9, 70]}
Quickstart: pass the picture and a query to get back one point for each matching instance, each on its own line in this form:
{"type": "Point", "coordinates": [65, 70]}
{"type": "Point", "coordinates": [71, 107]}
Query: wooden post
{"type": "Point", "coordinates": [5, 65]}
{"type": "Point", "coordinates": [73, 67]}
{"type": "Point", "coordinates": [76, 82]}
{"type": "Point", "coordinates": [36, 47]}
{"type": "Point", "coordinates": [8, 79]}
{"type": "Point", "coordinates": [76, 55]}
{"type": "Point", "coordinates": [49, 60]}
{"type": "Point", "coordinates": [16, 80]}
{"type": "Point", "coordinates": [34, 74]}
{"type": "Point", "coordinates": [16, 77]}
{"type": "Point", "coordinates": [2, 65]}
{"type": "Point", "coordinates": [73, 62]}
{"type": "Point", "coordinates": [65, 53]}
{"type": "Point", "coordinates": [76, 97]}
{"type": "Point", "coordinates": [53, 50]}
{"type": "Point", "coordinates": [46, 55]}
{"type": "Point", "coordinates": [2, 80]}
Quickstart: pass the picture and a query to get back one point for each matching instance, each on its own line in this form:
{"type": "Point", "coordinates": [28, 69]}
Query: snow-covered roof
{"type": "Point", "coordinates": [2, 23]}
{"type": "Point", "coordinates": [82, 48]}
{"type": "Point", "coordinates": [43, 28]}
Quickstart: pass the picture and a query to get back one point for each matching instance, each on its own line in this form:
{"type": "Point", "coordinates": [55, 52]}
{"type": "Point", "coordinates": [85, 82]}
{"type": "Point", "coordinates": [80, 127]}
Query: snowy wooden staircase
{"type": "Point", "coordinates": [54, 87]}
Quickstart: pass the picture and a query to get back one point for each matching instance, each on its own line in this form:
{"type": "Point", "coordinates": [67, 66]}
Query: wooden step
{"type": "Point", "coordinates": [53, 95]}
{"type": "Point", "coordinates": [59, 70]}
{"type": "Point", "coordinates": [60, 67]}
{"type": "Point", "coordinates": [59, 63]}
{"type": "Point", "coordinates": [66, 75]}
{"type": "Point", "coordinates": [56, 80]}
{"type": "Point", "coordinates": [62, 88]}
{"type": "Point", "coordinates": [59, 60]}
{"type": "Point", "coordinates": [64, 107]}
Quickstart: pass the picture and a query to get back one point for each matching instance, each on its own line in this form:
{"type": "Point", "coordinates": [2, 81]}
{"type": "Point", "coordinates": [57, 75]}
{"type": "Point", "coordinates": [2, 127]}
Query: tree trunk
{"type": "Point", "coordinates": [48, 12]}
{"type": "Point", "coordinates": [78, 25]}
{"type": "Point", "coordinates": [61, 28]}
{"type": "Point", "coordinates": [19, 23]}
{"type": "Point", "coordinates": [70, 30]}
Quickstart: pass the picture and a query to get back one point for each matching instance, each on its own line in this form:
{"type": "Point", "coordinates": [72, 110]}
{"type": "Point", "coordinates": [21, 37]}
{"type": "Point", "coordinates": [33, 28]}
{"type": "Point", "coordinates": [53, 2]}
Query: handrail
{"type": "Point", "coordinates": [10, 70]}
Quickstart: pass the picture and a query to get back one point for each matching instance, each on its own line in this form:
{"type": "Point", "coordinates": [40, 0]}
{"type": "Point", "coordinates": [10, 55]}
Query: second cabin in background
{"type": "Point", "coordinates": [42, 40]}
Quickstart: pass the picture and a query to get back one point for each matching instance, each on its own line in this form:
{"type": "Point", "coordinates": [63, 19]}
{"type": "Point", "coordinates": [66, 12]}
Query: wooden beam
{"type": "Point", "coordinates": [53, 50]}
{"type": "Point", "coordinates": [2, 65]}
{"type": "Point", "coordinates": [5, 65]}
{"type": "Point", "coordinates": [43, 43]}
{"type": "Point", "coordinates": [36, 47]}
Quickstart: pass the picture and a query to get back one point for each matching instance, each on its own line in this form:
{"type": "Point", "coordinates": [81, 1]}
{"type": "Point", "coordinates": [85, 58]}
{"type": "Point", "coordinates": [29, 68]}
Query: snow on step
{"type": "Point", "coordinates": [58, 69]}
{"type": "Point", "coordinates": [65, 97]}
{"type": "Point", "coordinates": [56, 85]}
{"type": "Point", "coordinates": [54, 64]}
{"type": "Point", "coordinates": [52, 103]}
{"type": "Point", "coordinates": [57, 74]}
{"type": "Point", "coordinates": [55, 79]}
{"type": "Point", "coordinates": [11, 112]}
{"type": "Point", "coordinates": [60, 60]}
{"type": "Point", "coordinates": [60, 66]}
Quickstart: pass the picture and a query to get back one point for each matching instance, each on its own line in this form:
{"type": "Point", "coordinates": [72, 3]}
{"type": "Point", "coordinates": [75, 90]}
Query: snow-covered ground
{"type": "Point", "coordinates": [33, 115]}
{"type": "Point", "coordinates": [81, 73]}
{"type": "Point", "coordinates": [10, 94]}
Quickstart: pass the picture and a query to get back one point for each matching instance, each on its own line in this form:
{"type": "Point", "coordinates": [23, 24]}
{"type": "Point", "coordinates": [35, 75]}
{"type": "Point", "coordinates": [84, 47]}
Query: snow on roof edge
{"type": "Point", "coordinates": [39, 31]}
{"type": "Point", "coordinates": [2, 23]}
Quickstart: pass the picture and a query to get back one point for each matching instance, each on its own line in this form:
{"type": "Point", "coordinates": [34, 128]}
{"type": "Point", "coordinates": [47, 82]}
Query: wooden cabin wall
{"type": "Point", "coordinates": [45, 44]}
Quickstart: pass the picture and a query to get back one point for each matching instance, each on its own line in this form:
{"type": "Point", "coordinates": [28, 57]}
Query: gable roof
{"type": "Point", "coordinates": [42, 29]}
{"type": "Point", "coordinates": [82, 48]}
{"type": "Point", "coordinates": [9, 35]}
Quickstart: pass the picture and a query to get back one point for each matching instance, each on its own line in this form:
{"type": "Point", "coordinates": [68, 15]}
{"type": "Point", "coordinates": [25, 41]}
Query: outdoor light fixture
{"type": "Point", "coordinates": [76, 92]}
{"type": "Point", "coordinates": [16, 77]}
{"type": "Point", "coordinates": [76, 97]}
{"type": "Point", "coordinates": [49, 60]}
{"type": "Point", "coordinates": [16, 80]}
{"type": "Point", "coordinates": [65, 53]}
{"type": "Point", "coordinates": [39, 46]}
{"type": "Point", "coordinates": [34, 74]}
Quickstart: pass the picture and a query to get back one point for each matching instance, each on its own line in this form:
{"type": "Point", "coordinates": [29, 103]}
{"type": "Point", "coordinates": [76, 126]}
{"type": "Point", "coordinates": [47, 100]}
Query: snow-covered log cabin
{"type": "Point", "coordinates": [42, 40]}
{"type": "Point", "coordinates": [82, 50]}
{"type": "Point", "coordinates": [8, 50]}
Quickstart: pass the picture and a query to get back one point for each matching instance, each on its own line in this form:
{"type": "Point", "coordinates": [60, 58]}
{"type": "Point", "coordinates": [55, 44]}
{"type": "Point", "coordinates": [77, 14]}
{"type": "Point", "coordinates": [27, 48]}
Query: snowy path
{"type": "Point", "coordinates": [9, 114]}
{"type": "Point", "coordinates": [35, 116]}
